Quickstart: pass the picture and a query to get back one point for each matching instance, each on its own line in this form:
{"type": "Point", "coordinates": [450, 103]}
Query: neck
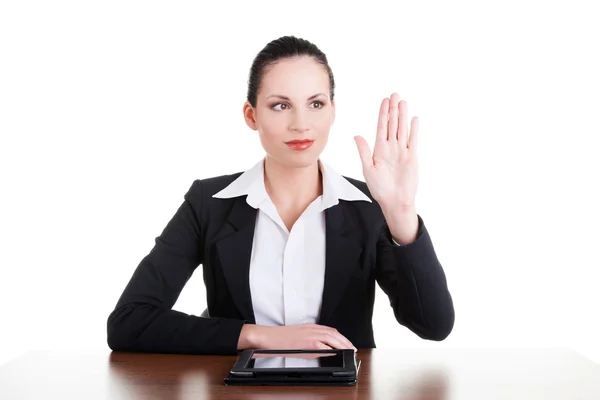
{"type": "Point", "coordinates": [292, 186]}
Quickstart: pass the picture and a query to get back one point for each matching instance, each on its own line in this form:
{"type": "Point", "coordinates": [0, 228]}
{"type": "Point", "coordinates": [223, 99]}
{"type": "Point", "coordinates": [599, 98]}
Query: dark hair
{"type": "Point", "coordinates": [282, 48]}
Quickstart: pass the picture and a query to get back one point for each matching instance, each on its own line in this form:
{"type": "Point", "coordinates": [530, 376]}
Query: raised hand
{"type": "Point", "coordinates": [391, 172]}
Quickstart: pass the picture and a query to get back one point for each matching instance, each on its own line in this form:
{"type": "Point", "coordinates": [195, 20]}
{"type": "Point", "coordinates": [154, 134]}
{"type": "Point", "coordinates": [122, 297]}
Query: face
{"type": "Point", "coordinates": [305, 111]}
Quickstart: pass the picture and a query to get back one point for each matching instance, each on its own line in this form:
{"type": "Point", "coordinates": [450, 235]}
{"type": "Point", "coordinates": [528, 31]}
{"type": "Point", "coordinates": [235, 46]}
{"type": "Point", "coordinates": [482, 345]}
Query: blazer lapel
{"type": "Point", "coordinates": [234, 248]}
{"type": "Point", "coordinates": [341, 254]}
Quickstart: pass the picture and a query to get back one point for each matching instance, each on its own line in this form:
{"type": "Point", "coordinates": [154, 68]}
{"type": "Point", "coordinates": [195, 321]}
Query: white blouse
{"type": "Point", "coordinates": [287, 268]}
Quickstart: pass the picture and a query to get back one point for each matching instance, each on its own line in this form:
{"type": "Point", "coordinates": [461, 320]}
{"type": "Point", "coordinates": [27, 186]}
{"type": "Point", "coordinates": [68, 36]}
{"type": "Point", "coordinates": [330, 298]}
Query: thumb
{"type": "Point", "coordinates": [364, 151]}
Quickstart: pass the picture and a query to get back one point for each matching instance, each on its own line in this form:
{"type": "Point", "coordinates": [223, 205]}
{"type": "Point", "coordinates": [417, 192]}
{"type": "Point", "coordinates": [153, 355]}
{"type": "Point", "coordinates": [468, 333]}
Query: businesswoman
{"type": "Point", "coordinates": [290, 250]}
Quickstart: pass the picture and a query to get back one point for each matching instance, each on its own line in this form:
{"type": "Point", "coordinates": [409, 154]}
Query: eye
{"type": "Point", "coordinates": [277, 104]}
{"type": "Point", "coordinates": [321, 104]}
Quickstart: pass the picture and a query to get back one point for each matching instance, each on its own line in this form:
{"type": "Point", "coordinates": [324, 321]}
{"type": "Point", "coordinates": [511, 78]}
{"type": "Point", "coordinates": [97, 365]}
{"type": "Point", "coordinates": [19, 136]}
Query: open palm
{"type": "Point", "coordinates": [391, 171]}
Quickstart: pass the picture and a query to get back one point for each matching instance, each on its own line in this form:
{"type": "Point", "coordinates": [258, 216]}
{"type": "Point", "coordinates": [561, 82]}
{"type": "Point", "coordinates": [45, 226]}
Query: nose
{"type": "Point", "coordinates": [299, 130]}
{"type": "Point", "coordinates": [299, 123]}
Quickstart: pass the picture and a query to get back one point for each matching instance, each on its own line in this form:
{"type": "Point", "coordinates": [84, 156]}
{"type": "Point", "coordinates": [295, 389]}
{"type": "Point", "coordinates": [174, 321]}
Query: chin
{"type": "Point", "coordinates": [303, 163]}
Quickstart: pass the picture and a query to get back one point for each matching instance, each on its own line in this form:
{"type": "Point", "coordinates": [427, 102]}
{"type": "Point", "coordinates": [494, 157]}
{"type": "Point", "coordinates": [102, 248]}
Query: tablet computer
{"type": "Point", "coordinates": [336, 367]}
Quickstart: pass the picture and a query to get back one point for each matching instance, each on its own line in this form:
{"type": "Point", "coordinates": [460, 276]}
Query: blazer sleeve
{"type": "Point", "coordinates": [143, 319]}
{"type": "Point", "coordinates": [414, 281]}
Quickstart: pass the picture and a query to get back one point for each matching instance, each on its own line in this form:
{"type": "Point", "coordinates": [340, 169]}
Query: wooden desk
{"type": "Point", "coordinates": [420, 374]}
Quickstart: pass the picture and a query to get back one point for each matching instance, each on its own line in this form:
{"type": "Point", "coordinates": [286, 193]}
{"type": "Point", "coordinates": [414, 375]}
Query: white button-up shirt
{"type": "Point", "coordinates": [287, 268]}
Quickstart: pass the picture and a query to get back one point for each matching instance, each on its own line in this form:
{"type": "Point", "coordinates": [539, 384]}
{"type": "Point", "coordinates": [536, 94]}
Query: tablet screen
{"type": "Point", "coordinates": [296, 360]}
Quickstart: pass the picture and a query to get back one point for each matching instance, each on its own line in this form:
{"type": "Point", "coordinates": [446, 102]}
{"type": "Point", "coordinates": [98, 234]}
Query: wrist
{"type": "Point", "coordinates": [250, 337]}
{"type": "Point", "coordinates": [403, 225]}
{"type": "Point", "coordinates": [398, 212]}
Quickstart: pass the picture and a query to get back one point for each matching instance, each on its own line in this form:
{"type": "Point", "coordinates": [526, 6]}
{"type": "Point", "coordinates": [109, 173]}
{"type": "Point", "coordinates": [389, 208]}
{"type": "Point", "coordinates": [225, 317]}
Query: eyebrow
{"type": "Point", "coordinates": [288, 99]}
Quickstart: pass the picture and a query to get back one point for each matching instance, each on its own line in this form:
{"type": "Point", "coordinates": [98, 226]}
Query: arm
{"type": "Point", "coordinates": [143, 320]}
{"type": "Point", "coordinates": [413, 279]}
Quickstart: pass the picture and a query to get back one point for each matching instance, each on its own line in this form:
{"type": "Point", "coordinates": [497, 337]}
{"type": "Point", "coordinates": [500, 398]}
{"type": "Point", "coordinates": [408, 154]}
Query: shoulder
{"type": "Point", "coordinates": [360, 185]}
{"type": "Point", "coordinates": [371, 210]}
{"type": "Point", "coordinates": [202, 189]}
{"type": "Point", "coordinates": [365, 216]}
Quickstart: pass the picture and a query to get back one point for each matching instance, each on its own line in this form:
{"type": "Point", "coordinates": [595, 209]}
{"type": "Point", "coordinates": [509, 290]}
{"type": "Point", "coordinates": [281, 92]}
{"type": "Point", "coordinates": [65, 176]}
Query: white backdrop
{"type": "Point", "coordinates": [110, 109]}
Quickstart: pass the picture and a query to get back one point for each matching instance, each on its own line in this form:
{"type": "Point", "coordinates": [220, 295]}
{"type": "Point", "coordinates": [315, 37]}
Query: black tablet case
{"type": "Point", "coordinates": [319, 376]}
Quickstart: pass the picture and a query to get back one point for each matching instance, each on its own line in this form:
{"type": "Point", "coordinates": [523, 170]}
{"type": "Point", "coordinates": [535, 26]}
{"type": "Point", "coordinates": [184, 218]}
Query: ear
{"type": "Point", "coordinates": [249, 116]}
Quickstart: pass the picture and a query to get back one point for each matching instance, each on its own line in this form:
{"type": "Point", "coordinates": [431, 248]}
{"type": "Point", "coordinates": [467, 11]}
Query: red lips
{"type": "Point", "coordinates": [299, 141]}
{"type": "Point", "coordinates": [299, 144]}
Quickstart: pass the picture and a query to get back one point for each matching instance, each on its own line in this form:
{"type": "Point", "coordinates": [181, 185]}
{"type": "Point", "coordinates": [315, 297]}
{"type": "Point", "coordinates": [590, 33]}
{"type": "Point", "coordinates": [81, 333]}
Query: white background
{"type": "Point", "coordinates": [110, 109]}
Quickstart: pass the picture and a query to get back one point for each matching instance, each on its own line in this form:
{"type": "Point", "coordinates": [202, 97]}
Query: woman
{"type": "Point", "coordinates": [291, 250]}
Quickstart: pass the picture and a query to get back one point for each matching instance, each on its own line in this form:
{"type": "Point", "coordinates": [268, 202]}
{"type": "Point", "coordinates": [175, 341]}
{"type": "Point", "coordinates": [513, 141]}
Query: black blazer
{"type": "Point", "coordinates": [218, 234]}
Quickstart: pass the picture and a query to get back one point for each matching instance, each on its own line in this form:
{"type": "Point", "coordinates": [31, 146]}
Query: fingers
{"type": "Point", "coordinates": [322, 346]}
{"type": "Point", "coordinates": [339, 340]}
{"type": "Point", "coordinates": [382, 124]}
{"type": "Point", "coordinates": [333, 341]}
{"type": "Point", "coordinates": [323, 337]}
{"type": "Point", "coordinates": [393, 125]}
{"type": "Point", "coordinates": [412, 140]}
{"type": "Point", "coordinates": [364, 151]}
{"type": "Point", "coordinates": [403, 124]}
{"type": "Point", "coordinates": [393, 117]}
